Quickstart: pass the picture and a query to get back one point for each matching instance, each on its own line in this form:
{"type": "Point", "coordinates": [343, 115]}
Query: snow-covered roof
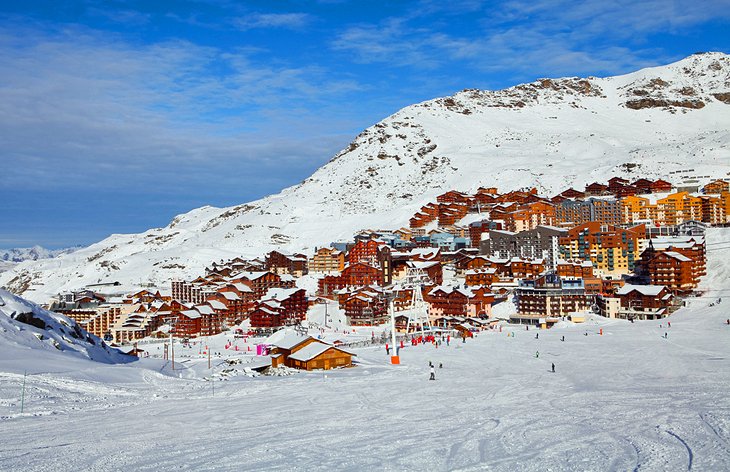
{"type": "Point", "coordinates": [192, 314]}
{"type": "Point", "coordinates": [677, 256]}
{"type": "Point", "coordinates": [422, 265]}
{"type": "Point", "coordinates": [648, 290]}
{"type": "Point", "coordinates": [309, 351]}
{"type": "Point", "coordinates": [205, 309]}
{"type": "Point", "coordinates": [281, 293]}
{"type": "Point", "coordinates": [217, 305]}
{"type": "Point", "coordinates": [287, 339]}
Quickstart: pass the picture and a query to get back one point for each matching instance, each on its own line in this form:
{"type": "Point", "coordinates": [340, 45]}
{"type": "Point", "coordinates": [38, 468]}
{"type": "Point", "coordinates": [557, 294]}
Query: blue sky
{"type": "Point", "coordinates": [115, 116]}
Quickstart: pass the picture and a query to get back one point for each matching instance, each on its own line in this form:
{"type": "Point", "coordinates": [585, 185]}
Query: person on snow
{"type": "Point", "coordinates": [433, 374]}
{"type": "Point", "coordinates": [563, 338]}
{"type": "Point", "coordinates": [537, 335]}
{"type": "Point", "coordinates": [669, 324]}
{"type": "Point", "coordinates": [665, 335]}
{"type": "Point", "coordinates": [441, 365]}
{"type": "Point", "coordinates": [537, 354]}
{"type": "Point", "coordinates": [387, 349]}
{"type": "Point", "coordinates": [553, 367]}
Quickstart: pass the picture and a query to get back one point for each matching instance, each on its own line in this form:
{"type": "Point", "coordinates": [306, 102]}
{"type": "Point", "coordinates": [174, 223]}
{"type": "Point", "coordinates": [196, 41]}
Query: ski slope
{"type": "Point", "coordinates": [625, 400]}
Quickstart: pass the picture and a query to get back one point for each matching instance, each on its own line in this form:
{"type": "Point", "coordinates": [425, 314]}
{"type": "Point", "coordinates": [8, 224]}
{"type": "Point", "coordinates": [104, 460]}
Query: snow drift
{"type": "Point", "coordinates": [29, 331]}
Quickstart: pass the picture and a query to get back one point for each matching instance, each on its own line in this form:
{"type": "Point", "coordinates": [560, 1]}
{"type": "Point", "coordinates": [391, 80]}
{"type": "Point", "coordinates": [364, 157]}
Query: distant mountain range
{"type": "Point", "coordinates": [32, 253]}
{"type": "Point", "coordinates": [670, 122]}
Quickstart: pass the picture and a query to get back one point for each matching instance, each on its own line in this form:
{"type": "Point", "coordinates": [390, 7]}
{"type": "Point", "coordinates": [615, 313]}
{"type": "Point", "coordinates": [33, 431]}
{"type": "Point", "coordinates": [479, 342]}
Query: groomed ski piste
{"type": "Point", "coordinates": [627, 399]}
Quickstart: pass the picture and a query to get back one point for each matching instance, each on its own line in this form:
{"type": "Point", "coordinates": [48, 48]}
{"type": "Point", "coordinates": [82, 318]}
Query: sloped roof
{"type": "Point", "coordinates": [289, 340]}
{"type": "Point", "coordinates": [216, 305]}
{"type": "Point", "coordinates": [677, 256]}
{"type": "Point", "coordinates": [648, 290]}
{"type": "Point", "coordinates": [192, 314]}
{"type": "Point", "coordinates": [313, 350]}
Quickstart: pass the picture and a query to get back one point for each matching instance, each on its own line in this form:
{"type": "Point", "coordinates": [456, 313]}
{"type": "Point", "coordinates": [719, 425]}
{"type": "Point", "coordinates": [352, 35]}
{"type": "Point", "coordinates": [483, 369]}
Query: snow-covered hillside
{"type": "Point", "coordinates": [27, 331]}
{"type": "Point", "coordinates": [622, 397]}
{"type": "Point", "coordinates": [667, 122]}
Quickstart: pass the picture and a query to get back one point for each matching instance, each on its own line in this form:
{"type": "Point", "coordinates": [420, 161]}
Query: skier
{"type": "Point", "coordinates": [553, 367]}
{"type": "Point", "coordinates": [537, 354]}
{"type": "Point", "coordinates": [537, 335]}
{"type": "Point", "coordinates": [441, 365]}
{"type": "Point", "coordinates": [433, 374]}
{"type": "Point", "coordinates": [665, 335]}
{"type": "Point", "coordinates": [387, 349]}
{"type": "Point", "coordinates": [563, 338]}
{"type": "Point", "coordinates": [669, 323]}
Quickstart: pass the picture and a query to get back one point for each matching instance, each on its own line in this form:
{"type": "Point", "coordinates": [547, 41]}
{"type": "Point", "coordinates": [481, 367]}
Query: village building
{"type": "Point", "coordinates": [477, 228]}
{"type": "Point", "coordinates": [280, 307]}
{"type": "Point", "coordinates": [539, 243]}
{"type": "Point", "coordinates": [364, 306]}
{"type": "Point", "coordinates": [480, 277]}
{"type": "Point", "coordinates": [675, 272]}
{"type": "Point", "coordinates": [596, 189]}
{"type": "Point", "coordinates": [543, 301]}
{"type": "Point", "coordinates": [327, 260]}
{"type": "Point", "coordinates": [612, 250]}
{"type": "Point", "coordinates": [306, 353]}
{"type": "Point", "coordinates": [291, 264]}
{"type": "Point", "coordinates": [455, 301]}
{"type": "Point", "coordinates": [716, 186]}
{"type": "Point", "coordinates": [644, 302]}
{"type": "Point", "coordinates": [673, 269]}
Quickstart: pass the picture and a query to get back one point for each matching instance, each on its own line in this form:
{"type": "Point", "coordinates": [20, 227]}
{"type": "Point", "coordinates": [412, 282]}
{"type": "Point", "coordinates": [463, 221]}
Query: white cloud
{"type": "Point", "coordinates": [524, 38]}
{"type": "Point", "coordinates": [80, 109]}
{"type": "Point", "coordinates": [273, 20]}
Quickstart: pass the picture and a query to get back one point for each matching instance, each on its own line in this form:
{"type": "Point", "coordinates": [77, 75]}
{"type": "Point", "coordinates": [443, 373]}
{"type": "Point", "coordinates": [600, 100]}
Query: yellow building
{"type": "Point", "coordinates": [327, 260]}
{"type": "Point", "coordinates": [678, 208]}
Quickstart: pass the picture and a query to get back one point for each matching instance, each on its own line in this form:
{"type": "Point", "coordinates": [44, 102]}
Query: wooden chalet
{"type": "Point", "coordinates": [644, 302]}
{"type": "Point", "coordinates": [660, 186]}
{"type": "Point", "coordinates": [596, 189]}
{"type": "Point", "coordinates": [292, 264]}
{"type": "Point", "coordinates": [306, 353]}
{"type": "Point", "coordinates": [573, 194]}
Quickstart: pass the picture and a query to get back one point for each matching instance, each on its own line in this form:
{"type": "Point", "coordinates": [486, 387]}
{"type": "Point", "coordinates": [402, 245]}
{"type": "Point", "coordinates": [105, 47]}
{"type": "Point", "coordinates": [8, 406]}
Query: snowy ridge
{"type": "Point", "coordinates": [551, 134]}
{"type": "Point", "coordinates": [27, 330]}
{"type": "Point", "coordinates": [31, 253]}
{"type": "Point", "coordinates": [10, 257]}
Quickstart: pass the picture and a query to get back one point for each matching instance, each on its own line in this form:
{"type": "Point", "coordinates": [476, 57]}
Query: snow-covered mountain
{"type": "Point", "coordinates": [29, 331]}
{"type": "Point", "coordinates": [670, 122]}
{"type": "Point", "coordinates": [10, 257]}
{"type": "Point", "coordinates": [31, 253]}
